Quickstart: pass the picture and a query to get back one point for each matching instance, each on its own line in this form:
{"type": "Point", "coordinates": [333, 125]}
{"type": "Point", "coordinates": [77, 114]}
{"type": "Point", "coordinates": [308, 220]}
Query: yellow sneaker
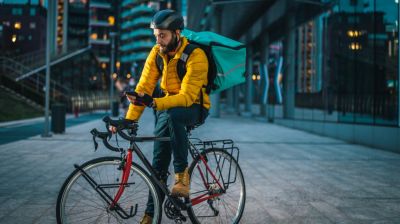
{"type": "Point", "coordinates": [182, 184]}
{"type": "Point", "coordinates": [147, 219]}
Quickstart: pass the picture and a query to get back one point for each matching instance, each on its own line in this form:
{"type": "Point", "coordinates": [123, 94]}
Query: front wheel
{"type": "Point", "coordinates": [80, 202]}
{"type": "Point", "coordinates": [226, 204]}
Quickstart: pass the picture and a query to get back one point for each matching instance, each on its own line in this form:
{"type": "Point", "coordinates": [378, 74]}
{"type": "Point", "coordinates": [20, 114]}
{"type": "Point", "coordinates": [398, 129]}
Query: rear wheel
{"type": "Point", "coordinates": [79, 202]}
{"type": "Point", "coordinates": [228, 206]}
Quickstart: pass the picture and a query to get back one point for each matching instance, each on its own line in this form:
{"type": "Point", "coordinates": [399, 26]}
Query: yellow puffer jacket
{"type": "Point", "coordinates": [177, 93]}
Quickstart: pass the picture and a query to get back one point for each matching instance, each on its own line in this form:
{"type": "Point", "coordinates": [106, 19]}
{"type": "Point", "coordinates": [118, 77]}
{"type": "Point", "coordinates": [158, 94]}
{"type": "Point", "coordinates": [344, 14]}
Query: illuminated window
{"type": "Point", "coordinates": [111, 20]}
{"type": "Point", "coordinates": [17, 25]}
{"type": "Point", "coordinates": [93, 36]}
{"type": "Point", "coordinates": [14, 38]}
{"type": "Point", "coordinates": [32, 25]}
{"type": "Point", "coordinates": [32, 12]}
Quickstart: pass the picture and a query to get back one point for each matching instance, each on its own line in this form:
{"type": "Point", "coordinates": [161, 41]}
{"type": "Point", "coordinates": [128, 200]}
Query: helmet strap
{"type": "Point", "coordinates": [174, 46]}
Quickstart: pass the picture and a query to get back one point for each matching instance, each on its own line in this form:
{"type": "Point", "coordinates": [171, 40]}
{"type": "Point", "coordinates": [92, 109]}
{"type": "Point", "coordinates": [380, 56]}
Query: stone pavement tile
{"type": "Point", "coordinates": [387, 221]}
{"type": "Point", "coordinates": [15, 220]}
{"type": "Point", "coordinates": [30, 212]}
{"type": "Point", "coordinates": [11, 205]}
{"type": "Point", "coordinates": [361, 214]}
{"type": "Point", "coordinates": [278, 213]}
{"type": "Point", "coordinates": [305, 220]}
{"type": "Point", "coordinates": [389, 205]}
{"type": "Point", "coordinates": [48, 217]}
{"type": "Point", "coordinates": [330, 212]}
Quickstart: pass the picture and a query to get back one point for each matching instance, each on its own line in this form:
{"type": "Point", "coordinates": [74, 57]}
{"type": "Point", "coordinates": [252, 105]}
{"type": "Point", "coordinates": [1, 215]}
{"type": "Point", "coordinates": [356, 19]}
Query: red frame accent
{"type": "Point", "coordinates": [203, 197]}
{"type": "Point", "coordinates": [194, 201]}
{"type": "Point", "coordinates": [124, 178]}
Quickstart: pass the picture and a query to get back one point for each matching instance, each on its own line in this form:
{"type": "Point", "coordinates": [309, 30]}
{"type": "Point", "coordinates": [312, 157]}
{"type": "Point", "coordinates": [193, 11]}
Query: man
{"type": "Point", "coordinates": [179, 107]}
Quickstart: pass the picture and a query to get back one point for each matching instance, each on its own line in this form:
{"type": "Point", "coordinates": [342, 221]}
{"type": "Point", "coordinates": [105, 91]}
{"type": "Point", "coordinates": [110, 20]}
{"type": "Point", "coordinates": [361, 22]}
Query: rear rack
{"type": "Point", "coordinates": [228, 146]}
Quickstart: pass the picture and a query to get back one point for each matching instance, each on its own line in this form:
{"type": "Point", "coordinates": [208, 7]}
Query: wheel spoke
{"type": "Point", "coordinates": [230, 204]}
{"type": "Point", "coordinates": [79, 202]}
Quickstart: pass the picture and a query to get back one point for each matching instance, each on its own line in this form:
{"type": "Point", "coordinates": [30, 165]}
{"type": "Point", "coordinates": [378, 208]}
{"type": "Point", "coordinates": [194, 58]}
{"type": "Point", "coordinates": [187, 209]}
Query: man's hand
{"type": "Point", "coordinates": [112, 129]}
{"type": "Point", "coordinates": [140, 99]}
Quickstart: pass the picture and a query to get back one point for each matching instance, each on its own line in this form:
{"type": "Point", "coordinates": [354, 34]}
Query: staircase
{"type": "Point", "coordinates": [25, 99]}
{"type": "Point", "coordinates": [32, 86]}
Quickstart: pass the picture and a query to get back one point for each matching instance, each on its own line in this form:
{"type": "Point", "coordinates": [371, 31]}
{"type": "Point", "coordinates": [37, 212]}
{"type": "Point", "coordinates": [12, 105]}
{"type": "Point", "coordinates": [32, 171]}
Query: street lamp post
{"type": "Point", "coordinates": [49, 30]}
{"type": "Point", "coordinates": [398, 71]}
{"type": "Point", "coordinates": [112, 37]}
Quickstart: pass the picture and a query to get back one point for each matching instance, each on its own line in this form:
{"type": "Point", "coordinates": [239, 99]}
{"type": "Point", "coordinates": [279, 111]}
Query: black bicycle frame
{"type": "Point", "coordinates": [153, 175]}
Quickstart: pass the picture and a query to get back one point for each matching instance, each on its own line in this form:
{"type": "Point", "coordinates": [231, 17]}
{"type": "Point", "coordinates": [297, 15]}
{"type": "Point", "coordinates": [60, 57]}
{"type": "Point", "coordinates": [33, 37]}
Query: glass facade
{"type": "Point", "coordinates": [347, 64]}
{"type": "Point", "coordinates": [137, 38]}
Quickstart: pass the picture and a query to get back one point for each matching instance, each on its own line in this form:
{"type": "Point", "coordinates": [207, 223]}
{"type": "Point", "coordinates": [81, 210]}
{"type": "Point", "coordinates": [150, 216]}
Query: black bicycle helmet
{"type": "Point", "coordinates": [167, 20]}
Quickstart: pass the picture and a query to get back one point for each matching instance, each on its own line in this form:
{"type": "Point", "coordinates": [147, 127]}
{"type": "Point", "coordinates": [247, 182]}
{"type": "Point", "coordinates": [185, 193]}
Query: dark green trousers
{"type": "Point", "coordinates": [172, 123]}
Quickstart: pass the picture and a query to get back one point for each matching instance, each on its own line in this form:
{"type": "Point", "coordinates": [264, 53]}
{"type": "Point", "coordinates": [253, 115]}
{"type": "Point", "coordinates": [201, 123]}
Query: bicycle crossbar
{"type": "Point", "coordinates": [151, 138]}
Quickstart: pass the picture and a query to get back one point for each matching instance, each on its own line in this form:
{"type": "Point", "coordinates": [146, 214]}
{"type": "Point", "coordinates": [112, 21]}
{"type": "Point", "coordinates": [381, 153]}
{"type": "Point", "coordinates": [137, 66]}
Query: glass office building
{"type": "Point", "coordinates": [347, 64]}
{"type": "Point", "coordinates": [328, 67]}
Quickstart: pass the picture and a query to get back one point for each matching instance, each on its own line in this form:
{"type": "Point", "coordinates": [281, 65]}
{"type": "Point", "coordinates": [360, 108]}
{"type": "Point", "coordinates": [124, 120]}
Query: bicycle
{"type": "Point", "coordinates": [115, 189]}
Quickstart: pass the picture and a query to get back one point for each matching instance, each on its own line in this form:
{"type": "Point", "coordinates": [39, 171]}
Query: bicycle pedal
{"type": "Point", "coordinates": [180, 219]}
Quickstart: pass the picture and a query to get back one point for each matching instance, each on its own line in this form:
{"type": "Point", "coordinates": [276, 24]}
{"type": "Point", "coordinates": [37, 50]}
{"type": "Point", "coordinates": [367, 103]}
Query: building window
{"type": "Point", "coordinates": [353, 2]}
{"type": "Point", "coordinates": [16, 11]}
{"type": "Point", "coordinates": [32, 25]}
{"type": "Point", "coordinates": [93, 36]}
{"type": "Point", "coordinates": [17, 25]}
{"type": "Point", "coordinates": [111, 20]}
{"type": "Point", "coordinates": [32, 12]}
{"type": "Point", "coordinates": [309, 52]}
{"type": "Point", "coordinates": [14, 38]}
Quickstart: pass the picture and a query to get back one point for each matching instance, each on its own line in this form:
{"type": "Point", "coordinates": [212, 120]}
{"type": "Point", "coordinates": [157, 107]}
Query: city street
{"type": "Point", "coordinates": [291, 176]}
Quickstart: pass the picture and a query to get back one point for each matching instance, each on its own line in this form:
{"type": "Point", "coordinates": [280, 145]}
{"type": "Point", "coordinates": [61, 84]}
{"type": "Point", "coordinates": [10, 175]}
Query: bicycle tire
{"type": "Point", "coordinates": [73, 194]}
{"type": "Point", "coordinates": [200, 213]}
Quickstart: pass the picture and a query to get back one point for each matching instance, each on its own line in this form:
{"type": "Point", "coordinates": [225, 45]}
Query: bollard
{"type": "Point", "coordinates": [58, 118]}
{"type": "Point", "coordinates": [115, 109]}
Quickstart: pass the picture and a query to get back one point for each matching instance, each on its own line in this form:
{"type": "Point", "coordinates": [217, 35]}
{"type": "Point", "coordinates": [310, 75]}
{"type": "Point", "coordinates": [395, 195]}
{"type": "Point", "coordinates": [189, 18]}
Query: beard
{"type": "Point", "coordinates": [171, 46]}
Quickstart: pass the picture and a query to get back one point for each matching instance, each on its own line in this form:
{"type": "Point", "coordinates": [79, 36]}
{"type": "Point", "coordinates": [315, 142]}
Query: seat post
{"type": "Point", "coordinates": [189, 128]}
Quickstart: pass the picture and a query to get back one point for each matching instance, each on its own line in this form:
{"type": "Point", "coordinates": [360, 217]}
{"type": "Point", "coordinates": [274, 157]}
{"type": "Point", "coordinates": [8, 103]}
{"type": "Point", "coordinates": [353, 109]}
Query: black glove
{"type": "Point", "coordinates": [145, 100]}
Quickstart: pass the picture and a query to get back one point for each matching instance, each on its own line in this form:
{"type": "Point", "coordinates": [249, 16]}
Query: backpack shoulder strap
{"type": "Point", "coordinates": [181, 66]}
{"type": "Point", "coordinates": [160, 64]}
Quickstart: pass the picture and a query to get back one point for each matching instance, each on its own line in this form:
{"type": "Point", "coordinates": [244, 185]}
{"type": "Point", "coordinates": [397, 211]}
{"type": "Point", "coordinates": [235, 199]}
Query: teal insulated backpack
{"type": "Point", "coordinates": [226, 57]}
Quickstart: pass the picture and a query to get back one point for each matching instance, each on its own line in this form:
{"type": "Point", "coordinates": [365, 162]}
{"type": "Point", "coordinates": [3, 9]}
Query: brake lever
{"type": "Point", "coordinates": [96, 145]}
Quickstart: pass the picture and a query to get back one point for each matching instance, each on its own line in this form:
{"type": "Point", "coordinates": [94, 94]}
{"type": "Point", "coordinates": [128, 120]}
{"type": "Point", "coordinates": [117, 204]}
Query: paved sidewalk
{"type": "Point", "coordinates": [291, 176]}
{"type": "Point", "coordinates": [11, 131]}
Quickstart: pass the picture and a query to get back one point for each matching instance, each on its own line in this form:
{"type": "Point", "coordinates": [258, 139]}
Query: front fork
{"type": "Point", "coordinates": [126, 169]}
{"type": "Point", "coordinates": [113, 202]}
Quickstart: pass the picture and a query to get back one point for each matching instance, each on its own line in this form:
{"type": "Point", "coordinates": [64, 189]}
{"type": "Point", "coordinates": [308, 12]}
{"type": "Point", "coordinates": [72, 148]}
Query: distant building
{"type": "Point", "coordinates": [136, 36]}
{"type": "Point", "coordinates": [137, 39]}
{"type": "Point", "coordinates": [22, 28]}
